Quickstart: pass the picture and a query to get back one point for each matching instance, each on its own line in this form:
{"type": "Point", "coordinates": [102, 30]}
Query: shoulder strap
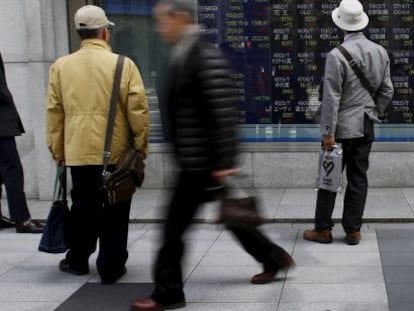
{"type": "Point", "coordinates": [357, 71]}
{"type": "Point", "coordinates": [112, 111]}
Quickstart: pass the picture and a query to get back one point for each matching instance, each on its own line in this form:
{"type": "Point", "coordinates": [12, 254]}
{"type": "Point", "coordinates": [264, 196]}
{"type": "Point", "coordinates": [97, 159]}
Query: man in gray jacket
{"type": "Point", "coordinates": [347, 116]}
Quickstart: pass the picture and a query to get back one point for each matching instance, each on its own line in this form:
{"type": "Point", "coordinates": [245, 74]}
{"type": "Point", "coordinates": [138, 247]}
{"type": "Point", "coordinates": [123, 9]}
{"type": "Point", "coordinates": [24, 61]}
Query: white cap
{"type": "Point", "coordinates": [91, 17]}
{"type": "Point", "coordinates": [350, 16]}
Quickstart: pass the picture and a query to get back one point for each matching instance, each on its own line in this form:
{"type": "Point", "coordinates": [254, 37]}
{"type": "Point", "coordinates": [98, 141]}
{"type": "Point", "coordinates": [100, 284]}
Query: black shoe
{"type": "Point", "coordinates": [6, 223]}
{"type": "Point", "coordinates": [113, 279]}
{"type": "Point", "coordinates": [64, 266]}
{"type": "Point", "coordinates": [29, 226]}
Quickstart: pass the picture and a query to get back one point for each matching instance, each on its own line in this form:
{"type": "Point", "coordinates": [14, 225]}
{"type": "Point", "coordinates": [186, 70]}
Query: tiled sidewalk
{"type": "Point", "coordinates": [333, 277]}
{"type": "Point", "coordinates": [278, 205]}
{"type": "Point", "coordinates": [327, 277]}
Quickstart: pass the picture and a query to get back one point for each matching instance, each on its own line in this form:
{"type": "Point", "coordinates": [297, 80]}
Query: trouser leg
{"type": "Point", "coordinates": [181, 210]}
{"type": "Point", "coordinates": [259, 246]}
{"type": "Point", "coordinates": [113, 240]}
{"type": "Point", "coordinates": [11, 171]}
{"type": "Point", "coordinates": [357, 188]}
{"type": "Point", "coordinates": [86, 214]}
{"type": "Point", "coordinates": [325, 203]}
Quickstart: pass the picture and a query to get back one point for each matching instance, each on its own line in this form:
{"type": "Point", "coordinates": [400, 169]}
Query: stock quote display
{"type": "Point", "coordinates": [278, 50]}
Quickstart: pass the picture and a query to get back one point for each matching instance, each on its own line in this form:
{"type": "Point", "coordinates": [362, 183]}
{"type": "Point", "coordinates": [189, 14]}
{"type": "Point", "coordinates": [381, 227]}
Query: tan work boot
{"type": "Point", "coordinates": [323, 236]}
{"type": "Point", "coordinates": [353, 238]}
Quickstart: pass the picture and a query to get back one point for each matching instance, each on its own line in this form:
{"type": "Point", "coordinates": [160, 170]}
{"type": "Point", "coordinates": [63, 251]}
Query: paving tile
{"type": "Point", "coordinates": [336, 274]}
{"type": "Point", "coordinates": [397, 245]}
{"type": "Point", "coordinates": [227, 259]}
{"type": "Point", "coordinates": [45, 274]}
{"type": "Point", "coordinates": [13, 258]}
{"type": "Point", "coordinates": [405, 259]}
{"type": "Point", "coordinates": [333, 307]}
{"type": "Point", "coordinates": [401, 306]}
{"type": "Point", "coordinates": [198, 232]}
{"type": "Point", "coordinates": [328, 258]}
{"type": "Point", "coordinates": [29, 306]}
{"type": "Point", "coordinates": [147, 258]}
{"type": "Point", "coordinates": [32, 292]}
{"type": "Point", "coordinates": [273, 231]}
{"type": "Point", "coordinates": [228, 291]}
{"type": "Point", "coordinates": [14, 246]}
{"type": "Point", "coordinates": [334, 293]}
{"type": "Point", "coordinates": [399, 274]}
{"type": "Point", "coordinates": [400, 292]}
{"type": "Point", "coordinates": [135, 274]}
{"type": "Point", "coordinates": [409, 195]}
{"type": "Point", "coordinates": [223, 306]}
{"type": "Point", "coordinates": [387, 203]}
{"type": "Point", "coordinates": [396, 233]}
{"type": "Point", "coordinates": [225, 245]}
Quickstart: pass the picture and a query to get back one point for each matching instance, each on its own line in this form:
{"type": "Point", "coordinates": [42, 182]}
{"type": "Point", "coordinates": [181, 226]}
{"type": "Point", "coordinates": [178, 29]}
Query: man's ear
{"type": "Point", "coordinates": [105, 34]}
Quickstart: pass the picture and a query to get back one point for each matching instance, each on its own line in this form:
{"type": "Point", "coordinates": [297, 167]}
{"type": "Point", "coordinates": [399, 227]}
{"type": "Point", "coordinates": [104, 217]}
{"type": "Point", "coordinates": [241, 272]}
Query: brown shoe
{"type": "Point", "coordinates": [148, 304]}
{"type": "Point", "coordinates": [264, 277]}
{"type": "Point", "coordinates": [268, 276]}
{"type": "Point", "coordinates": [353, 238]}
{"type": "Point", "coordinates": [324, 236]}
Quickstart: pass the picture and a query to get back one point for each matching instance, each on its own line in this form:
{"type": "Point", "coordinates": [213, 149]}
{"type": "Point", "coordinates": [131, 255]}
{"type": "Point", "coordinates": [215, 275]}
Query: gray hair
{"type": "Point", "coordinates": [187, 6]}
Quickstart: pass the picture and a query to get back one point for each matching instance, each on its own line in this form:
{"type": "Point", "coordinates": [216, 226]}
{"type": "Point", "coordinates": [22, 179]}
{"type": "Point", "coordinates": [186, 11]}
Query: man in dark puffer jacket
{"type": "Point", "coordinates": [200, 120]}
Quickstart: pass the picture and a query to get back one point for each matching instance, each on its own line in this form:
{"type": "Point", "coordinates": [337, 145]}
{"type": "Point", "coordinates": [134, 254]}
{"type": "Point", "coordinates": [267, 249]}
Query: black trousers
{"type": "Point", "coordinates": [188, 195]}
{"type": "Point", "coordinates": [91, 219]}
{"type": "Point", "coordinates": [356, 162]}
{"type": "Point", "coordinates": [11, 174]}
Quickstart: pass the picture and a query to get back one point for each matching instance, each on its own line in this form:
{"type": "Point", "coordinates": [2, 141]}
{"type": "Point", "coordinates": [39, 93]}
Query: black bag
{"type": "Point", "coordinates": [120, 185]}
{"type": "Point", "coordinates": [56, 234]}
{"type": "Point", "coordinates": [239, 211]}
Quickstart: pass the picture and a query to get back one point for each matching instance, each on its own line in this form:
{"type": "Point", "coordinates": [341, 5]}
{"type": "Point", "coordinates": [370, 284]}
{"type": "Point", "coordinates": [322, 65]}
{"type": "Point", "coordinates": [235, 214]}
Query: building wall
{"type": "Point", "coordinates": [35, 32]}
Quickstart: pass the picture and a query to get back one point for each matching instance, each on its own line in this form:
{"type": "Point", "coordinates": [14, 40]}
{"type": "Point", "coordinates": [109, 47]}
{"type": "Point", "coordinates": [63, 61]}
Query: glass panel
{"type": "Point", "coordinates": [278, 50]}
{"type": "Point", "coordinates": [133, 35]}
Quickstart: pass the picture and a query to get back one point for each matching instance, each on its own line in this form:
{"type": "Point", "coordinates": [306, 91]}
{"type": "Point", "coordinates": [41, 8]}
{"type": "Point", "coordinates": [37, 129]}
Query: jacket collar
{"type": "Point", "coordinates": [354, 36]}
{"type": "Point", "coordinates": [95, 44]}
{"type": "Point", "coordinates": [181, 49]}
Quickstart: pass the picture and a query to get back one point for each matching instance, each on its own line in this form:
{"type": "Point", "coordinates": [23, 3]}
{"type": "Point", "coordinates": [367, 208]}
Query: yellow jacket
{"type": "Point", "coordinates": [79, 91]}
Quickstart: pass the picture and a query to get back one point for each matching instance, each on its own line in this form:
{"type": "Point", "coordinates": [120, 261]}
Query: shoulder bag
{"type": "Point", "coordinates": [120, 184]}
{"type": "Point", "coordinates": [357, 71]}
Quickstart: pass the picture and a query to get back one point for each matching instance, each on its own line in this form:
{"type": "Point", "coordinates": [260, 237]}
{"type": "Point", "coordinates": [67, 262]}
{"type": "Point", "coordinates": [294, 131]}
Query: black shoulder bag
{"type": "Point", "coordinates": [120, 185]}
{"type": "Point", "coordinates": [372, 91]}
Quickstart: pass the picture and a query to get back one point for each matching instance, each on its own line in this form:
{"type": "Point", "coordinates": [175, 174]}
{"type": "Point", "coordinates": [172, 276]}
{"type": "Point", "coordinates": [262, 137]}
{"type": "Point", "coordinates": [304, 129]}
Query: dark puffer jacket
{"type": "Point", "coordinates": [199, 111]}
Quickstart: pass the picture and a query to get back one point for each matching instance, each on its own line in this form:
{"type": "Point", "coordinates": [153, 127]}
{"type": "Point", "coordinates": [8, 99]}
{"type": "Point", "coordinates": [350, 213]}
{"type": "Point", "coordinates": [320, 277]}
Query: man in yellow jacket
{"type": "Point", "coordinates": [79, 91]}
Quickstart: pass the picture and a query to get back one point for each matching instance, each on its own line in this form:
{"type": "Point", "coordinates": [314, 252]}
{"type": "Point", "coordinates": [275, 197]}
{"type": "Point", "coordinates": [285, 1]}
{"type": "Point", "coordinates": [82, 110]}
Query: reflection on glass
{"type": "Point", "coordinates": [278, 50]}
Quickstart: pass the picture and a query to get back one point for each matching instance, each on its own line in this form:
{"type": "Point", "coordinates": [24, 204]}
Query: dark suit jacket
{"type": "Point", "coordinates": [10, 123]}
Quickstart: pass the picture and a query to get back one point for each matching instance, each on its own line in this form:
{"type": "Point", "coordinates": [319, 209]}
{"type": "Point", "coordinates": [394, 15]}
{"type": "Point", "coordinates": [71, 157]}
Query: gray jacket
{"type": "Point", "coordinates": [345, 101]}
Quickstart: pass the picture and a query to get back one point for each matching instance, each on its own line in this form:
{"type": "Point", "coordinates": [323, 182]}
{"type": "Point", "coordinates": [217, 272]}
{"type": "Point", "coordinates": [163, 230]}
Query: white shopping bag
{"type": "Point", "coordinates": [330, 169]}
